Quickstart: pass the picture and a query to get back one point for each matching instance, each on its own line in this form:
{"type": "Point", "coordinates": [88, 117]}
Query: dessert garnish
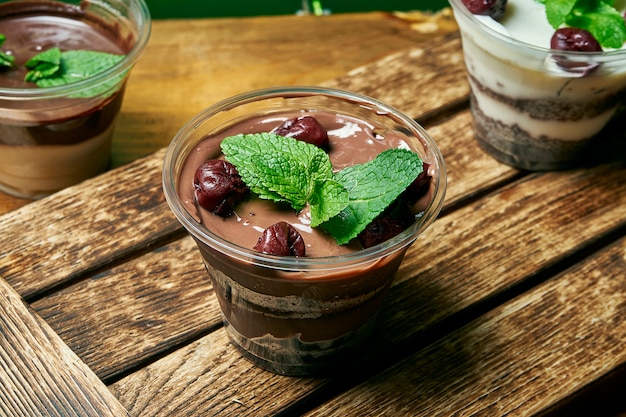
{"type": "Point", "coordinates": [598, 17]}
{"type": "Point", "coordinates": [281, 239]}
{"type": "Point", "coordinates": [595, 19]}
{"type": "Point", "coordinates": [6, 61]}
{"type": "Point", "coordinates": [305, 128]}
{"type": "Point", "coordinates": [218, 187]}
{"type": "Point", "coordinates": [574, 39]}
{"type": "Point", "coordinates": [288, 170]}
{"type": "Point", "coordinates": [493, 8]}
{"type": "Point", "coordinates": [52, 68]}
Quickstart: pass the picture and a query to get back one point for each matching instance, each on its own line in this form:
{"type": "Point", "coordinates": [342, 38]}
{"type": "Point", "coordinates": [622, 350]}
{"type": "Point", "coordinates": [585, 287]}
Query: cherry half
{"type": "Point", "coordinates": [218, 187]}
{"type": "Point", "coordinates": [574, 39]}
{"type": "Point", "coordinates": [419, 187]}
{"type": "Point", "coordinates": [493, 8]}
{"type": "Point", "coordinates": [306, 129]}
{"type": "Point", "coordinates": [281, 239]}
{"type": "Point", "coordinates": [388, 224]}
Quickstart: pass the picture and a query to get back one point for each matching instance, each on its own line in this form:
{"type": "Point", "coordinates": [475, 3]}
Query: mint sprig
{"type": "Point", "coordinates": [43, 65]}
{"type": "Point", "coordinates": [6, 61]}
{"type": "Point", "coordinates": [54, 68]}
{"type": "Point", "coordinates": [599, 17]}
{"type": "Point", "coordinates": [287, 170]}
{"type": "Point", "coordinates": [372, 187]}
{"type": "Point", "coordinates": [284, 169]}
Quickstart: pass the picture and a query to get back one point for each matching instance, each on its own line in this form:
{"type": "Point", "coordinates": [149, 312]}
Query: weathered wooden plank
{"type": "Point", "coordinates": [81, 312]}
{"type": "Point", "coordinates": [470, 171]}
{"type": "Point", "coordinates": [144, 307]}
{"type": "Point", "coordinates": [519, 359]}
{"type": "Point", "coordinates": [123, 211]}
{"type": "Point", "coordinates": [208, 378]}
{"type": "Point", "coordinates": [419, 81]}
{"type": "Point", "coordinates": [40, 375]}
{"type": "Point", "coordinates": [190, 64]}
{"type": "Point", "coordinates": [83, 228]}
{"type": "Point", "coordinates": [482, 240]}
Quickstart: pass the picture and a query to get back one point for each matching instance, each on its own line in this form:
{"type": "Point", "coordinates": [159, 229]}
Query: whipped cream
{"type": "Point", "coordinates": [526, 21]}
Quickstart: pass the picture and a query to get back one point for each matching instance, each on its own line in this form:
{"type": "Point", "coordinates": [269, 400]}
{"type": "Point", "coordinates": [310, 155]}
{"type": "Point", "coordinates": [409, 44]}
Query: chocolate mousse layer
{"type": "Point", "coordinates": [352, 141]}
{"type": "Point", "coordinates": [300, 323]}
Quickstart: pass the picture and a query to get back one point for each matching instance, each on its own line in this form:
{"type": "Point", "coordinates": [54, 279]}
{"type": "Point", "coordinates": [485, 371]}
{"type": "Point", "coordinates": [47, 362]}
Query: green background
{"type": "Point", "coordinates": [163, 9]}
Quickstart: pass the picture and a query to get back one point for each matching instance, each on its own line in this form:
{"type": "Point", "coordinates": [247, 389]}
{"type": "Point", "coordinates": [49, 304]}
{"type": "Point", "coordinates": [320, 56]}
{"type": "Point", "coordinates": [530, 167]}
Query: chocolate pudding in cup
{"type": "Point", "coordinates": [62, 89]}
{"type": "Point", "coordinates": [303, 313]}
{"type": "Point", "coordinates": [534, 107]}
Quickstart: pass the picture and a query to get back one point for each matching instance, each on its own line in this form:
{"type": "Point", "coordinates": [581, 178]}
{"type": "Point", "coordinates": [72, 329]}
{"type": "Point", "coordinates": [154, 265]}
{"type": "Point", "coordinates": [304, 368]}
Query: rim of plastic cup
{"type": "Point", "coordinates": [289, 263]}
{"type": "Point", "coordinates": [459, 7]}
{"type": "Point", "coordinates": [116, 70]}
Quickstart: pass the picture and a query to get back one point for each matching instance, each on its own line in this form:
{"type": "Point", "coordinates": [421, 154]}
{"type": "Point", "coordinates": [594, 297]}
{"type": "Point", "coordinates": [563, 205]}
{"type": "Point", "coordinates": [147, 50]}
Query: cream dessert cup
{"type": "Point", "coordinates": [535, 108]}
{"type": "Point", "coordinates": [296, 315]}
{"type": "Point", "coordinates": [54, 137]}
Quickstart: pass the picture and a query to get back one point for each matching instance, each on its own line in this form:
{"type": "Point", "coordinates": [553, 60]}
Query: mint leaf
{"type": "Point", "coordinates": [285, 169]}
{"type": "Point", "coordinates": [605, 23]}
{"type": "Point", "coordinates": [558, 10]}
{"type": "Point", "coordinates": [53, 68]}
{"type": "Point", "coordinates": [42, 65]}
{"type": "Point", "coordinates": [599, 17]}
{"type": "Point", "coordinates": [372, 187]}
{"type": "Point", "coordinates": [329, 198]}
{"type": "Point", "coordinates": [6, 61]}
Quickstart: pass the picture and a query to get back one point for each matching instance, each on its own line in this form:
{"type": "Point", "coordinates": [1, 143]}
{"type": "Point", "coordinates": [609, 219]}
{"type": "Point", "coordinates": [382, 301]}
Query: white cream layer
{"type": "Point", "coordinates": [526, 21]}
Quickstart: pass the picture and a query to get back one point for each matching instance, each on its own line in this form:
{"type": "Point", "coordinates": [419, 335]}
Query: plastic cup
{"type": "Point", "coordinates": [306, 315]}
{"type": "Point", "coordinates": [537, 108]}
{"type": "Point", "coordinates": [54, 137]}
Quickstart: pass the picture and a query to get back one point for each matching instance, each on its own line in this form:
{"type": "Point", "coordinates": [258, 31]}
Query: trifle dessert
{"type": "Point", "coordinates": [303, 202]}
{"type": "Point", "coordinates": [63, 69]}
{"type": "Point", "coordinates": [545, 78]}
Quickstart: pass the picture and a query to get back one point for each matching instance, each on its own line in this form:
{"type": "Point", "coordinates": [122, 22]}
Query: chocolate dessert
{"type": "Point", "coordinates": [53, 137]}
{"type": "Point", "coordinates": [307, 309]}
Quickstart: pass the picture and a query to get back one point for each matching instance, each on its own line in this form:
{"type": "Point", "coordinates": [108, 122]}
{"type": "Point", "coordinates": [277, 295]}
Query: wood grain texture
{"type": "Point", "coordinates": [516, 360]}
{"type": "Point", "coordinates": [418, 81]}
{"type": "Point", "coordinates": [144, 307]}
{"type": "Point", "coordinates": [81, 229]}
{"type": "Point", "coordinates": [431, 288]}
{"type": "Point", "coordinates": [202, 61]}
{"type": "Point", "coordinates": [169, 286]}
{"type": "Point", "coordinates": [40, 375]}
{"type": "Point", "coordinates": [193, 63]}
{"type": "Point", "coordinates": [503, 306]}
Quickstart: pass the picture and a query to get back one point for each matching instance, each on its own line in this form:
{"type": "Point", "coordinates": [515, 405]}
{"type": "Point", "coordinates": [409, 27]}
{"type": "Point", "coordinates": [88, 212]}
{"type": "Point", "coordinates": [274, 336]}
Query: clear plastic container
{"type": "Point", "coordinates": [299, 315]}
{"type": "Point", "coordinates": [536, 108]}
{"type": "Point", "coordinates": [54, 137]}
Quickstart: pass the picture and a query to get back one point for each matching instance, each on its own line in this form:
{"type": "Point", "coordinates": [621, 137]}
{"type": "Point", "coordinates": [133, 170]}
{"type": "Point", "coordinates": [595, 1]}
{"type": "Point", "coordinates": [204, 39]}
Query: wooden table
{"type": "Point", "coordinates": [512, 303]}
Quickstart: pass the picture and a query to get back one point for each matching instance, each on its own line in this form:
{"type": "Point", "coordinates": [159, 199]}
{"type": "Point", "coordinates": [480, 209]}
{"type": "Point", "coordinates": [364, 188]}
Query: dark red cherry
{"type": "Point", "coordinates": [418, 187]}
{"type": "Point", "coordinates": [218, 187]}
{"type": "Point", "coordinates": [304, 128]}
{"type": "Point", "coordinates": [379, 230]}
{"type": "Point", "coordinates": [493, 8]}
{"type": "Point", "coordinates": [388, 224]}
{"type": "Point", "coordinates": [281, 239]}
{"type": "Point", "coordinates": [574, 39]}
